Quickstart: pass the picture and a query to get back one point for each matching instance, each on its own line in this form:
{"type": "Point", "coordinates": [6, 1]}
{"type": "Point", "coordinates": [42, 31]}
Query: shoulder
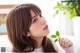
{"type": "Point", "coordinates": [54, 44]}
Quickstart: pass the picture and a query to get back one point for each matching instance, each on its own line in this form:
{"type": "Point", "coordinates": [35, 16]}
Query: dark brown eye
{"type": "Point", "coordinates": [35, 20]}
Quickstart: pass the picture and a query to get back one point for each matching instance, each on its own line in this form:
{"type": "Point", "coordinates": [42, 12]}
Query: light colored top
{"type": "Point", "coordinates": [56, 46]}
{"type": "Point", "coordinates": [37, 50]}
{"type": "Point", "coordinates": [59, 48]}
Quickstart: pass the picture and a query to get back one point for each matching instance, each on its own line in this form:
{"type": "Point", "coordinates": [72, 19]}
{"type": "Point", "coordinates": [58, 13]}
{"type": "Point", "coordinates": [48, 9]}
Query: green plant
{"type": "Point", "coordinates": [73, 7]}
{"type": "Point", "coordinates": [56, 36]}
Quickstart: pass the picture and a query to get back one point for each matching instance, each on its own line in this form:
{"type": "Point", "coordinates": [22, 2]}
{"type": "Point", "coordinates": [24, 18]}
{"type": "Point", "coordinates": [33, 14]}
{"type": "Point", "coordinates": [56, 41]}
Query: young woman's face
{"type": "Point", "coordinates": [39, 27]}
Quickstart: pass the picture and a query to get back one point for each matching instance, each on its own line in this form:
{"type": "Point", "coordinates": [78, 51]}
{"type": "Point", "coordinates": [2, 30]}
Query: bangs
{"type": "Point", "coordinates": [36, 10]}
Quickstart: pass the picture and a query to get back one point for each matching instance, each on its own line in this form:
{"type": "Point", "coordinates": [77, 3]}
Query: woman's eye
{"type": "Point", "coordinates": [34, 20]}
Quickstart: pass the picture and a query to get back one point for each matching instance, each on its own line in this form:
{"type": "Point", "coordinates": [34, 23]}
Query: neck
{"type": "Point", "coordinates": [39, 41]}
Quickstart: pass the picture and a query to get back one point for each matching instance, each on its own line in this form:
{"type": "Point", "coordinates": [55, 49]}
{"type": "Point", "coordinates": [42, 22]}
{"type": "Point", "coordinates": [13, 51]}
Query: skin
{"type": "Point", "coordinates": [65, 43]}
{"type": "Point", "coordinates": [37, 32]}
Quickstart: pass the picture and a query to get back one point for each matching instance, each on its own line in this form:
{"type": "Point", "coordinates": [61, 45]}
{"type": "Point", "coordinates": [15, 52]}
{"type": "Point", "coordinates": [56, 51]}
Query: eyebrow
{"type": "Point", "coordinates": [34, 16]}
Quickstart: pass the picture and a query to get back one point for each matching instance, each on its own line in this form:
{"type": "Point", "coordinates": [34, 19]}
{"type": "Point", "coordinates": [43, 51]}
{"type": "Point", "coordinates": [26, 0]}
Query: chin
{"type": "Point", "coordinates": [46, 33]}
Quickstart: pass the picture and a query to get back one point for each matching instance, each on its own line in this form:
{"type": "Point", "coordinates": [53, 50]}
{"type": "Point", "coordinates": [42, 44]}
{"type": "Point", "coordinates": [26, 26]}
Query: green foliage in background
{"type": "Point", "coordinates": [72, 7]}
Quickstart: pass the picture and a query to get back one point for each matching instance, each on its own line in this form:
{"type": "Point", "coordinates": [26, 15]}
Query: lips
{"type": "Point", "coordinates": [46, 27]}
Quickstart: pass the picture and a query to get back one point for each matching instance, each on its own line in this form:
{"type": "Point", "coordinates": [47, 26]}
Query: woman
{"type": "Point", "coordinates": [27, 30]}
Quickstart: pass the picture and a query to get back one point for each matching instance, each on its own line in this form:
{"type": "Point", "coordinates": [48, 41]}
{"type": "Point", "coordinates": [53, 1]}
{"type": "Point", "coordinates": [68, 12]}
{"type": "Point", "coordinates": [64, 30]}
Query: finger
{"type": "Point", "coordinates": [67, 43]}
{"type": "Point", "coordinates": [62, 43]}
{"type": "Point", "coordinates": [60, 40]}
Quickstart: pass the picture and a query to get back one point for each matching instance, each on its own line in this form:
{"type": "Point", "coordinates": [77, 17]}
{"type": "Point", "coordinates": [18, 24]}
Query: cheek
{"type": "Point", "coordinates": [36, 29]}
{"type": "Point", "coordinates": [36, 26]}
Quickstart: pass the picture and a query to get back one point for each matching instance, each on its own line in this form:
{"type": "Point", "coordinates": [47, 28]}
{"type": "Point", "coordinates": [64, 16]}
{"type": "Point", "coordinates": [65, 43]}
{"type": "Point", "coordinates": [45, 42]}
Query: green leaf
{"type": "Point", "coordinates": [55, 40]}
{"type": "Point", "coordinates": [62, 8]}
{"type": "Point", "coordinates": [68, 3]}
{"type": "Point", "coordinates": [57, 11]}
{"type": "Point", "coordinates": [71, 16]}
{"type": "Point", "coordinates": [53, 36]}
{"type": "Point", "coordinates": [57, 33]}
{"type": "Point", "coordinates": [72, 13]}
{"type": "Point", "coordinates": [77, 6]}
{"type": "Point", "coordinates": [64, 13]}
{"type": "Point", "coordinates": [57, 6]}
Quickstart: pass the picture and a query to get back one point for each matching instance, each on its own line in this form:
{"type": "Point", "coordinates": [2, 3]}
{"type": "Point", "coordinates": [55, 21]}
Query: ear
{"type": "Point", "coordinates": [28, 34]}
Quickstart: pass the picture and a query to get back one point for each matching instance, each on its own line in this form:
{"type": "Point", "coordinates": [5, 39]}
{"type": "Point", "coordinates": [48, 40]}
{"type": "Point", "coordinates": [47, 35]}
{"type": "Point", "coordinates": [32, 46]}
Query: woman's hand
{"type": "Point", "coordinates": [65, 43]}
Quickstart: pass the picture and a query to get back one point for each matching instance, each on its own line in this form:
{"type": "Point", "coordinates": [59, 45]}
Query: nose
{"type": "Point", "coordinates": [42, 21]}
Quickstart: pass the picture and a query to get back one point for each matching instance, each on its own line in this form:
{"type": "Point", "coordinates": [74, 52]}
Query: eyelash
{"type": "Point", "coordinates": [35, 20]}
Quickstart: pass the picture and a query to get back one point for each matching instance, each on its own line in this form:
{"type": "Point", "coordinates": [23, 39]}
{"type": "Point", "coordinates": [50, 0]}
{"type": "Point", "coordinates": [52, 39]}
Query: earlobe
{"type": "Point", "coordinates": [28, 34]}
